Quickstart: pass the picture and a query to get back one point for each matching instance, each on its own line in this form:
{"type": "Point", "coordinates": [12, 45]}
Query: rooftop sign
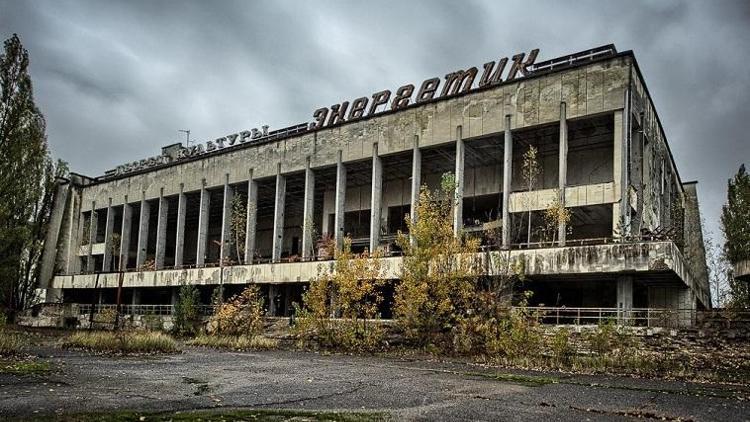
{"type": "Point", "coordinates": [456, 82]}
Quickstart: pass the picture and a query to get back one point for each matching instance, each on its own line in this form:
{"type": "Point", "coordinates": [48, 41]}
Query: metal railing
{"type": "Point", "coordinates": [86, 309]}
{"type": "Point", "coordinates": [638, 317]}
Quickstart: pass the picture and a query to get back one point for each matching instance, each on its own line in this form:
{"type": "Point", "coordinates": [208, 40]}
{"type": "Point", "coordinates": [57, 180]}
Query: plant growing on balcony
{"type": "Point", "coordinates": [530, 169]}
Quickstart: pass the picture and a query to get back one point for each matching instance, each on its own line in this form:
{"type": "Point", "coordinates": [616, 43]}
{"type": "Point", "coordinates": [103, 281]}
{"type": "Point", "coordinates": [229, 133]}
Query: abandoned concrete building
{"type": "Point", "coordinates": [265, 207]}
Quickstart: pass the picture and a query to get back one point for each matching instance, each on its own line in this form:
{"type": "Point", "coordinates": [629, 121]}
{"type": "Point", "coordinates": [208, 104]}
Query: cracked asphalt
{"type": "Point", "coordinates": [406, 389]}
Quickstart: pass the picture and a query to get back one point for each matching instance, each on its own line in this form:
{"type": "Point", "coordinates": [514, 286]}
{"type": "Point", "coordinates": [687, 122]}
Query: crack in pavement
{"type": "Point", "coordinates": [313, 398]}
{"type": "Point", "coordinates": [630, 414]}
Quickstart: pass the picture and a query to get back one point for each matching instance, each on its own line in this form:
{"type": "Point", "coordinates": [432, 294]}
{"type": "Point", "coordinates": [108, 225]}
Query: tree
{"type": "Point", "coordinates": [238, 224]}
{"type": "Point", "coordinates": [719, 270]}
{"type": "Point", "coordinates": [439, 270]}
{"type": "Point", "coordinates": [530, 172]}
{"type": "Point", "coordinates": [186, 310]}
{"type": "Point", "coordinates": [26, 179]}
{"type": "Point", "coordinates": [352, 291]}
{"type": "Point", "coordinates": [735, 223]}
{"type": "Point", "coordinates": [555, 216]}
{"type": "Point", "coordinates": [735, 217]}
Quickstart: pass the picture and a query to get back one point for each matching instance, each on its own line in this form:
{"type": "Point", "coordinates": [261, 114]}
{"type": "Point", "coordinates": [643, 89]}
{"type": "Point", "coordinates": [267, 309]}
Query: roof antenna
{"type": "Point", "coordinates": [186, 132]}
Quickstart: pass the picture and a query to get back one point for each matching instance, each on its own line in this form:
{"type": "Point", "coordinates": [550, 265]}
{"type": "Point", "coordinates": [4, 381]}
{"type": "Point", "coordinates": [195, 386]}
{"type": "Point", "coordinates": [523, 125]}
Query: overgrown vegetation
{"type": "Point", "coordinates": [186, 316]}
{"type": "Point", "coordinates": [241, 315]}
{"type": "Point", "coordinates": [735, 222]}
{"type": "Point", "coordinates": [439, 272]}
{"type": "Point", "coordinates": [27, 180]}
{"type": "Point", "coordinates": [122, 342]}
{"type": "Point", "coordinates": [11, 344]}
{"type": "Point", "coordinates": [241, 342]}
{"type": "Point", "coordinates": [340, 305]}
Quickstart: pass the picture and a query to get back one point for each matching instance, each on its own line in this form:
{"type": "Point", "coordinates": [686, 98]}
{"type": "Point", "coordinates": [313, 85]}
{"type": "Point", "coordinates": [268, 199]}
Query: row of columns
{"type": "Point", "coordinates": [309, 191]}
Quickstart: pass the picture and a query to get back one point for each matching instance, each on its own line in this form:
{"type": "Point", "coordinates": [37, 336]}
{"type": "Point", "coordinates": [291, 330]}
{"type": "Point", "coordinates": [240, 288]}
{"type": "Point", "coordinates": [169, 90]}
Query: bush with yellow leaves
{"type": "Point", "coordinates": [242, 314]}
{"type": "Point", "coordinates": [342, 303]}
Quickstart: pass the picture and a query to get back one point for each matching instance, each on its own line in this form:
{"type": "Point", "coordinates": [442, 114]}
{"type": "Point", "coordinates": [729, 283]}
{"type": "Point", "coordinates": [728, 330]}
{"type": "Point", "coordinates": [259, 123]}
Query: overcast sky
{"type": "Point", "coordinates": [116, 81]}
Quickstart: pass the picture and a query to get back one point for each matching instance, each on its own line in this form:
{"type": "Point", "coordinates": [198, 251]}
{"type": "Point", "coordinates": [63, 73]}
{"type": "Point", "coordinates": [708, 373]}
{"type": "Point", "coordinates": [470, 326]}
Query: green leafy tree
{"type": "Point", "coordinates": [186, 310]}
{"type": "Point", "coordinates": [735, 217]}
{"type": "Point", "coordinates": [735, 223]}
{"type": "Point", "coordinates": [26, 179]}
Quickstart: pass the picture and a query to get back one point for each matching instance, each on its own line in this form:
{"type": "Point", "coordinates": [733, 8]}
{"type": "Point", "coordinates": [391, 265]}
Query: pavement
{"type": "Point", "coordinates": [405, 389]}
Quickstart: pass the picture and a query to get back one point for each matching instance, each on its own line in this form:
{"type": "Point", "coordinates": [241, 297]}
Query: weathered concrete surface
{"type": "Point", "coordinates": [611, 258]}
{"type": "Point", "coordinates": [589, 89]}
{"type": "Point", "coordinates": [695, 252]}
{"type": "Point", "coordinates": [406, 389]}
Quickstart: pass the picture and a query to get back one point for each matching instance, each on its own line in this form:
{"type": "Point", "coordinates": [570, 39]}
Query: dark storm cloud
{"type": "Point", "coordinates": [117, 80]}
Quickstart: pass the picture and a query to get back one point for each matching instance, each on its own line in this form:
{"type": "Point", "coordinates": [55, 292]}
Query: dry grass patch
{"type": "Point", "coordinates": [124, 342]}
{"type": "Point", "coordinates": [235, 342]}
{"type": "Point", "coordinates": [11, 344]}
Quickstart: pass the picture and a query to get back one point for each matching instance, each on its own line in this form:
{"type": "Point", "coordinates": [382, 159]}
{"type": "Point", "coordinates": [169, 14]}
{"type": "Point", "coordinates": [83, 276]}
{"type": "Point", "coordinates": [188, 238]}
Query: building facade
{"type": "Point", "coordinates": [267, 207]}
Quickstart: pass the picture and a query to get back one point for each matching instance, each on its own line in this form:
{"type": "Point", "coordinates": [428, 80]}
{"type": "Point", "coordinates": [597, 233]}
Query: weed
{"type": "Point", "coordinates": [235, 342]}
{"type": "Point", "coordinates": [126, 342]}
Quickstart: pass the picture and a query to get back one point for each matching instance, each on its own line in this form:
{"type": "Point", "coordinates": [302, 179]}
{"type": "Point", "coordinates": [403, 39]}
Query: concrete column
{"type": "Point", "coordinates": [307, 213]}
{"type": "Point", "coordinates": [278, 215]}
{"type": "Point", "coordinates": [127, 219]}
{"type": "Point", "coordinates": [507, 174]}
{"type": "Point", "coordinates": [175, 295]}
{"type": "Point", "coordinates": [136, 297]}
{"type": "Point", "coordinates": [273, 290]}
{"type": "Point", "coordinates": [416, 178]}
{"type": "Point", "coordinates": [93, 222]}
{"type": "Point", "coordinates": [339, 203]}
{"type": "Point", "coordinates": [140, 257]}
{"type": "Point", "coordinates": [563, 168]}
{"type": "Point", "coordinates": [252, 214]}
{"type": "Point", "coordinates": [617, 165]}
{"type": "Point", "coordinates": [161, 231]}
{"type": "Point", "coordinates": [624, 298]}
{"type": "Point", "coordinates": [205, 202]}
{"type": "Point", "coordinates": [179, 247]}
{"type": "Point", "coordinates": [625, 292]}
{"type": "Point", "coordinates": [226, 221]}
{"type": "Point", "coordinates": [376, 199]}
{"type": "Point", "coordinates": [50, 253]}
{"type": "Point", "coordinates": [74, 242]}
{"type": "Point", "coordinates": [109, 226]}
{"type": "Point", "coordinates": [458, 204]}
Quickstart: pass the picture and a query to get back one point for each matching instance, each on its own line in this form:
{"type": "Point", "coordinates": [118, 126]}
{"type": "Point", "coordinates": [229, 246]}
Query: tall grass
{"type": "Point", "coordinates": [11, 343]}
{"type": "Point", "coordinates": [235, 342]}
{"type": "Point", "coordinates": [125, 342]}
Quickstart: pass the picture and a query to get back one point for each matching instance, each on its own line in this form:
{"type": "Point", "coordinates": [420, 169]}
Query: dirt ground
{"type": "Point", "coordinates": [403, 389]}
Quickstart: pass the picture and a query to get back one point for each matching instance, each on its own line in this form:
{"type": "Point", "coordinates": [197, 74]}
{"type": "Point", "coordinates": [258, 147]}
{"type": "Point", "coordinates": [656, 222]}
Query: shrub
{"type": "Point", "coordinates": [561, 347]}
{"type": "Point", "coordinates": [241, 315]}
{"type": "Point", "coordinates": [106, 316]}
{"type": "Point", "coordinates": [11, 343]}
{"type": "Point", "coordinates": [186, 312]}
{"type": "Point", "coordinates": [126, 342]}
{"type": "Point", "coordinates": [350, 292]}
{"type": "Point", "coordinates": [235, 342]}
{"type": "Point", "coordinates": [439, 275]}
